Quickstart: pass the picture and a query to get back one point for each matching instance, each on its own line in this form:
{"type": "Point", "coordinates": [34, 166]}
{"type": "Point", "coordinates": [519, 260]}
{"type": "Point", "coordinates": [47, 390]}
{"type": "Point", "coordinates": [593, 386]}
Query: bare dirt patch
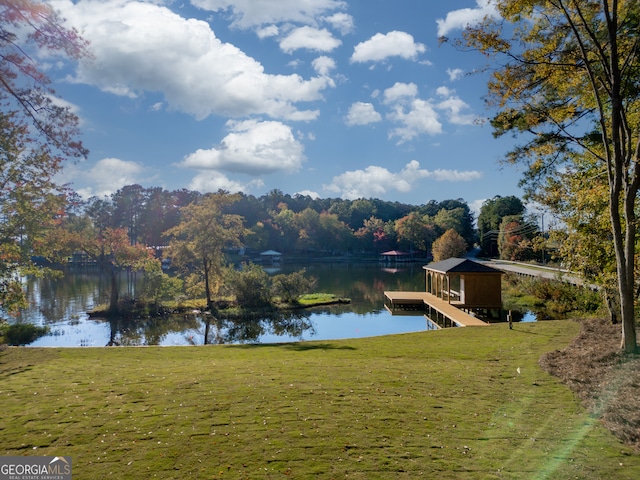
{"type": "Point", "coordinates": [605, 379]}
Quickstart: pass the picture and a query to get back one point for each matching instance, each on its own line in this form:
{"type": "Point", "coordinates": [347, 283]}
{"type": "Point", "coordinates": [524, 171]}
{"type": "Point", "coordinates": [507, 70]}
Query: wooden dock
{"type": "Point", "coordinates": [436, 309]}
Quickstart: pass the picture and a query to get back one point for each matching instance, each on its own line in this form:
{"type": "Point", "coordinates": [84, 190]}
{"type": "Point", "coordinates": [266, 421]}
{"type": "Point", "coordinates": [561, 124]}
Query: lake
{"type": "Point", "coordinates": [62, 305]}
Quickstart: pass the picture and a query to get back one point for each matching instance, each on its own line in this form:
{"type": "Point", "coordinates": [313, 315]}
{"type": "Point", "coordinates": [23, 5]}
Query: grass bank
{"type": "Point", "coordinates": [457, 403]}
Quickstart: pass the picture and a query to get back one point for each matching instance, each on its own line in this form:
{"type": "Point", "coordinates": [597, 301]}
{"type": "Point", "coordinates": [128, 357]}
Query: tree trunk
{"type": "Point", "coordinates": [113, 299]}
{"type": "Point", "coordinates": [207, 327]}
{"type": "Point", "coordinates": [207, 285]}
{"type": "Point", "coordinates": [612, 301]}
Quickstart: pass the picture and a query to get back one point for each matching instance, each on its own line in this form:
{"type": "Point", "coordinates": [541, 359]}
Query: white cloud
{"type": "Point", "coordinates": [253, 148]}
{"type": "Point", "coordinates": [414, 116]}
{"type": "Point", "coordinates": [399, 92]}
{"type": "Point", "coordinates": [309, 38]}
{"type": "Point", "coordinates": [460, 19]}
{"type": "Point", "coordinates": [376, 181]}
{"type": "Point", "coordinates": [252, 13]}
{"type": "Point", "coordinates": [445, 91]}
{"type": "Point", "coordinates": [454, 107]}
{"type": "Point", "coordinates": [324, 65]}
{"type": "Point", "coordinates": [308, 193]}
{"type": "Point", "coordinates": [476, 206]}
{"type": "Point", "coordinates": [212, 181]}
{"type": "Point", "coordinates": [141, 47]}
{"type": "Point", "coordinates": [268, 31]}
{"type": "Point", "coordinates": [361, 113]}
{"type": "Point", "coordinates": [418, 118]}
{"type": "Point", "coordinates": [104, 178]}
{"type": "Point", "coordinates": [343, 22]}
{"type": "Point", "coordinates": [382, 46]}
{"type": "Point", "coordinates": [454, 73]}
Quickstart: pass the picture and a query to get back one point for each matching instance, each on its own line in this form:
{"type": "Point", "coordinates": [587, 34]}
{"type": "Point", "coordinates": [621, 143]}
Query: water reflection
{"type": "Point", "coordinates": [251, 328]}
{"type": "Point", "coordinates": [62, 305]}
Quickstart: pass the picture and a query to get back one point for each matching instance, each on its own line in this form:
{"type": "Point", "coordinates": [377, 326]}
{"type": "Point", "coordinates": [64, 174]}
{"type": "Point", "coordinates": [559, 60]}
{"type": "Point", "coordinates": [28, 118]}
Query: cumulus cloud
{"type": "Point", "coordinates": [418, 118]}
{"type": "Point", "coordinates": [308, 193]}
{"type": "Point", "coordinates": [212, 181]}
{"type": "Point", "coordinates": [382, 46]}
{"type": "Point", "coordinates": [341, 21]}
{"type": "Point", "coordinates": [454, 73]}
{"type": "Point", "coordinates": [324, 65]}
{"type": "Point", "coordinates": [361, 113]}
{"type": "Point", "coordinates": [375, 181]}
{"type": "Point", "coordinates": [140, 46]}
{"type": "Point", "coordinates": [399, 92]}
{"type": "Point", "coordinates": [309, 38]}
{"type": "Point", "coordinates": [413, 115]}
{"type": "Point", "coordinates": [460, 19]}
{"type": "Point", "coordinates": [454, 107]}
{"type": "Point", "coordinates": [252, 147]}
{"type": "Point", "coordinates": [104, 178]}
{"type": "Point", "coordinates": [252, 13]}
{"type": "Point", "coordinates": [268, 31]}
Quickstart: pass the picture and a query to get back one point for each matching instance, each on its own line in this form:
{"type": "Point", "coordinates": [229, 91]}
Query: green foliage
{"type": "Point", "coordinates": [290, 287]}
{"type": "Point", "coordinates": [250, 285]}
{"type": "Point", "coordinates": [566, 84]}
{"type": "Point", "coordinates": [491, 214]}
{"type": "Point", "coordinates": [316, 299]}
{"type": "Point", "coordinates": [551, 299]}
{"type": "Point", "coordinates": [22, 333]}
{"type": "Point", "coordinates": [198, 241]}
{"type": "Point", "coordinates": [159, 286]}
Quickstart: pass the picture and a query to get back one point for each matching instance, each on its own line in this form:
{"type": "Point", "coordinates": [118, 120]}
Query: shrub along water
{"type": "Point", "coordinates": [550, 299]}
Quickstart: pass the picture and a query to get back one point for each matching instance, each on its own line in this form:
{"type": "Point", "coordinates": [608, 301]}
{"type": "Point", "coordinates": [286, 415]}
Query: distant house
{"type": "Point", "coordinates": [465, 283]}
{"type": "Point", "coordinates": [271, 256]}
{"type": "Point", "coordinates": [395, 256]}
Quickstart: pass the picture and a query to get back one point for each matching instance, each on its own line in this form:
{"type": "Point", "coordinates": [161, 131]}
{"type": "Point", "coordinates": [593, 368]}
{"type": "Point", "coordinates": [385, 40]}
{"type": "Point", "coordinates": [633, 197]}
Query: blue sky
{"type": "Point", "coordinates": [329, 98]}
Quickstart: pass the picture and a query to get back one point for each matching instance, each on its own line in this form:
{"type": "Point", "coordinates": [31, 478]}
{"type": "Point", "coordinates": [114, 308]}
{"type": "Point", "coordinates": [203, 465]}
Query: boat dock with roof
{"type": "Point", "coordinates": [458, 290]}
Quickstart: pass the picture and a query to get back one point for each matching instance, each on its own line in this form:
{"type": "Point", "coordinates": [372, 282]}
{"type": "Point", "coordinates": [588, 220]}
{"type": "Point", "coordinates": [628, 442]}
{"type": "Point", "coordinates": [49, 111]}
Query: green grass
{"type": "Point", "coordinates": [317, 299]}
{"type": "Point", "coordinates": [448, 404]}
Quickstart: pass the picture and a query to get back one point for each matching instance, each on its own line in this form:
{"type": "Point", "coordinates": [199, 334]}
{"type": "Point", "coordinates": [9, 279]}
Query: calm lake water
{"type": "Point", "coordinates": [62, 305]}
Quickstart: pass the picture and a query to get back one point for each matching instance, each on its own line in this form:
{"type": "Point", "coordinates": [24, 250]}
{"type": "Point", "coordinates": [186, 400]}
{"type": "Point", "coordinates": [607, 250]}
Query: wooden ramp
{"type": "Point", "coordinates": [401, 302]}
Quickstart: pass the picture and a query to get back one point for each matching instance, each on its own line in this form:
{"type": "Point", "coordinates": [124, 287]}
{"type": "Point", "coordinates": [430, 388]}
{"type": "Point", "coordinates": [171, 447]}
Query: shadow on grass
{"type": "Point", "coordinates": [296, 346]}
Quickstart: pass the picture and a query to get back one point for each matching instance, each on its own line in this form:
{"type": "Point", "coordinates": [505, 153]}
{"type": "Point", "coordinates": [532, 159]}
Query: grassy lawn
{"type": "Point", "coordinates": [457, 403]}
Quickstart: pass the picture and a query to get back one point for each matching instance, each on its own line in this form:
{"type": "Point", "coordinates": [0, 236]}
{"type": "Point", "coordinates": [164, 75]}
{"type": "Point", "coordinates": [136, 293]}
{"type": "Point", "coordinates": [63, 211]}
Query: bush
{"type": "Point", "coordinates": [551, 298]}
{"type": "Point", "coordinates": [290, 287]}
{"type": "Point", "coordinates": [23, 333]}
{"type": "Point", "coordinates": [251, 286]}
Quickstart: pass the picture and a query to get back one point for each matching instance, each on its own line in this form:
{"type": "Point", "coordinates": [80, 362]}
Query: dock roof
{"type": "Point", "coordinates": [460, 265]}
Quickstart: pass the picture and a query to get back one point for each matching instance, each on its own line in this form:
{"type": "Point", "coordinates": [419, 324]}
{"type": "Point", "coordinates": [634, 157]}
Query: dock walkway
{"type": "Point", "coordinates": [397, 302]}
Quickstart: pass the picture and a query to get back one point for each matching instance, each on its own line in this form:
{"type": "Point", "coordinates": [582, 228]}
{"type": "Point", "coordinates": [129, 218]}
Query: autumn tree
{"type": "Point", "coordinates": [29, 204]}
{"type": "Point", "coordinates": [112, 252]}
{"type": "Point", "coordinates": [567, 83]}
{"type": "Point", "coordinates": [449, 245]}
{"type": "Point", "coordinates": [37, 133]}
{"type": "Point", "coordinates": [491, 214]}
{"type": "Point", "coordinates": [515, 238]}
{"type": "Point", "coordinates": [585, 245]}
{"type": "Point", "coordinates": [197, 244]}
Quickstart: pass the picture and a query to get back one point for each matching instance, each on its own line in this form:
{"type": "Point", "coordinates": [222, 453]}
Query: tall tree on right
{"type": "Point", "coordinates": [568, 74]}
